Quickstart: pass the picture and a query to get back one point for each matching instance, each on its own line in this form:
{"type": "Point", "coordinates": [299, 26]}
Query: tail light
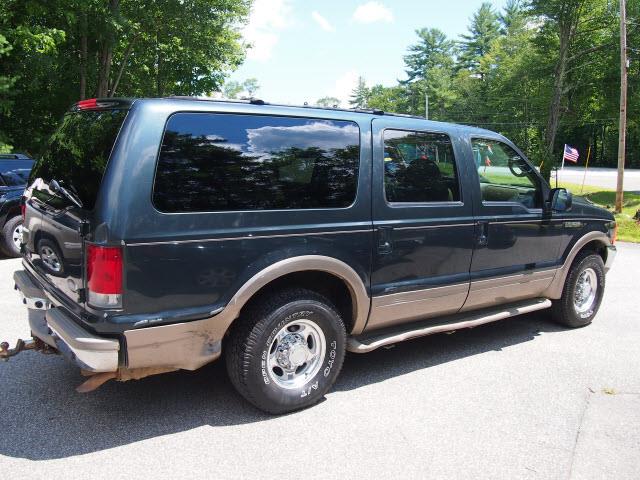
{"type": "Point", "coordinates": [23, 210]}
{"type": "Point", "coordinates": [104, 276]}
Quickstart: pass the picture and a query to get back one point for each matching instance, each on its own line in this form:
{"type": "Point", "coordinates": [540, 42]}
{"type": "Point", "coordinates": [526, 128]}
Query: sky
{"type": "Point", "coordinates": [304, 50]}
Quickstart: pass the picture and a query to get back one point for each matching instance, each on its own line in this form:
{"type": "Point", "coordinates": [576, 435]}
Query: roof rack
{"type": "Point", "coordinates": [257, 101]}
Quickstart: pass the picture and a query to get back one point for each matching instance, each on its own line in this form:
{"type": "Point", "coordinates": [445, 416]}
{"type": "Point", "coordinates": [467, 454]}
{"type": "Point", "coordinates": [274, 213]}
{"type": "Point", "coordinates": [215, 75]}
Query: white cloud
{"type": "Point", "coordinates": [344, 86]}
{"type": "Point", "coordinates": [267, 19]}
{"type": "Point", "coordinates": [372, 12]}
{"type": "Point", "coordinates": [325, 135]}
{"type": "Point", "coordinates": [323, 22]}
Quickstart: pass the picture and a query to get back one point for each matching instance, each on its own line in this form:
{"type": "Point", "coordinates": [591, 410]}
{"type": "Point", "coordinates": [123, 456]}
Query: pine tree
{"type": "Point", "coordinates": [484, 29]}
{"type": "Point", "coordinates": [360, 95]}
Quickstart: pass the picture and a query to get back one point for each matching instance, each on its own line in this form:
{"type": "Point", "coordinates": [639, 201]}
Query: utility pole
{"type": "Point", "coordinates": [426, 105]}
{"type": "Point", "coordinates": [622, 135]}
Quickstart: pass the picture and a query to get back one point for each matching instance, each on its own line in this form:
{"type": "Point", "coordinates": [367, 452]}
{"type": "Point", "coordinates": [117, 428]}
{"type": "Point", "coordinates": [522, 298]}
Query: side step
{"type": "Point", "coordinates": [376, 339]}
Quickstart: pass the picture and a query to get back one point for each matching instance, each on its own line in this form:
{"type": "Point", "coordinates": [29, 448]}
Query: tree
{"type": "Point", "coordinates": [233, 89]}
{"type": "Point", "coordinates": [328, 102]}
{"type": "Point", "coordinates": [65, 50]}
{"type": "Point", "coordinates": [570, 27]}
{"type": "Point", "coordinates": [433, 50]}
{"type": "Point", "coordinates": [484, 29]}
{"type": "Point", "coordinates": [360, 95]}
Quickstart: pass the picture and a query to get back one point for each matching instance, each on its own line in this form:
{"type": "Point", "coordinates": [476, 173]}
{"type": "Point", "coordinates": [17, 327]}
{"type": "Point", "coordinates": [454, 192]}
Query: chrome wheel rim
{"type": "Point", "coordinates": [17, 236]}
{"type": "Point", "coordinates": [50, 259]}
{"type": "Point", "coordinates": [586, 291]}
{"type": "Point", "coordinates": [296, 354]}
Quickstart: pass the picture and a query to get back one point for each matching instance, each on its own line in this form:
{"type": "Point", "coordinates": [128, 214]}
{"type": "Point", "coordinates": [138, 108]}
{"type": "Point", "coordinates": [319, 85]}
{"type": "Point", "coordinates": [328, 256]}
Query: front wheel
{"type": "Point", "coordinates": [582, 293]}
{"type": "Point", "coordinates": [286, 351]}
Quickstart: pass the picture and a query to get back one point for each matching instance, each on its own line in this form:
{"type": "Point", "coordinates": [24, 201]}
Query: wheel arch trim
{"type": "Point", "coordinates": [554, 291]}
{"type": "Point", "coordinates": [190, 345]}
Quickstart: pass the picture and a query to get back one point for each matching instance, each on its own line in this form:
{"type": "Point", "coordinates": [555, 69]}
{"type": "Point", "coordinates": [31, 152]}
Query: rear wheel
{"type": "Point", "coordinates": [582, 293]}
{"type": "Point", "coordinates": [12, 237]}
{"type": "Point", "coordinates": [286, 351]}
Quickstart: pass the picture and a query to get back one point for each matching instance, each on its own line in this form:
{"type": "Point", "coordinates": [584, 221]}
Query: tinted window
{"type": "Point", "coordinates": [77, 155]}
{"type": "Point", "coordinates": [419, 167]}
{"type": "Point", "coordinates": [504, 175]}
{"type": "Point", "coordinates": [15, 173]}
{"type": "Point", "coordinates": [219, 162]}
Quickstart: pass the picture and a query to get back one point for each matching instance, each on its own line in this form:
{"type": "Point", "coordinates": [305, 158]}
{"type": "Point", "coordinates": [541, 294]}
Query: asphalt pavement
{"type": "Point", "coordinates": [521, 398]}
{"type": "Point", "coordinates": [600, 177]}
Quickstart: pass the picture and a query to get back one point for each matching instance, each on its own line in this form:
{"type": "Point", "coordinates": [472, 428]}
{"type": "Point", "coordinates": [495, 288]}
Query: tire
{"type": "Point", "coordinates": [268, 342]}
{"type": "Point", "coordinates": [8, 245]}
{"type": "Point", "coordinates": [577, 308]}
{"type": "Point", "coordinates": [50, 256]}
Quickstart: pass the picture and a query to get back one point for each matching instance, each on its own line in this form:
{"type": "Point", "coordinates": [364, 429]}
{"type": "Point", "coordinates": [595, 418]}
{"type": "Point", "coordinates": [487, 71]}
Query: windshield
{"type": "Point", "coordinates": [78, 152]}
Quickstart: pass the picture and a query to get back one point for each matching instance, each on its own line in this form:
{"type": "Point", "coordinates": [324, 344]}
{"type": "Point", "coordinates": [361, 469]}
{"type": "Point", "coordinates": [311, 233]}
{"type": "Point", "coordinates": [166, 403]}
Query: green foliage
{"type": "Point", "coordinates": [510, 75]}
{"type": "Point", "coordinates": [61, 51]}
{"type": "Point", "coordinates": [328, 102]}
{"type": "Point", "coordinates": [233, 89]}
{"type": "Point", "coordinates": [360, 95]}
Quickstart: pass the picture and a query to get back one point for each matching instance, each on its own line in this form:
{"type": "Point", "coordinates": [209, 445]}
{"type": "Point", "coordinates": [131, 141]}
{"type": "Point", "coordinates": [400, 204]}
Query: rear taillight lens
{"type": "Point", "coordinates": [23, 209]}
{"type": "Point", "coordinates": [104, 276]}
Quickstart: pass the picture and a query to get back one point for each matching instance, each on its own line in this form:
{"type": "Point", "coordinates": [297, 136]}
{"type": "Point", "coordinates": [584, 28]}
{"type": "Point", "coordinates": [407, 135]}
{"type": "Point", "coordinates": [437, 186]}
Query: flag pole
{"type": "Point", "coordinates": [586, 165]}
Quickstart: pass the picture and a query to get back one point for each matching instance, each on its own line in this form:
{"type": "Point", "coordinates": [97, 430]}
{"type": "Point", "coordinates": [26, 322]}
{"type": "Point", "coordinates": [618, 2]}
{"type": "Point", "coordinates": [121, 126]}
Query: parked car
{"type": "Point", "coordinates": [14, 173]}
{"type": "Point", "coordinates": [161, 234]}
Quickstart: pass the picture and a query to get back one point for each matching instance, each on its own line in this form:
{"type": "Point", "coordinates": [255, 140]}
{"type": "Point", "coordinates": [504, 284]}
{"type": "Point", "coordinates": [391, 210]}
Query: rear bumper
{"type": "Point", "coordinates": [188, 345]}
{"type": "Point", "coordinates": [54, 327]}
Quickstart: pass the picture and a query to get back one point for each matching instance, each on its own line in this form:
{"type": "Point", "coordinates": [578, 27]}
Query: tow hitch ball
{"type": "Point", "coordinates": [21, 345]}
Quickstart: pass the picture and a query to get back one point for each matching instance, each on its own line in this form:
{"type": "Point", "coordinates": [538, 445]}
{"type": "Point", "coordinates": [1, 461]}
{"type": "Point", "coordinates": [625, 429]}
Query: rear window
{"type": "Point", "coordinates": [78, 151]}
{"type": "Point", "coordinates": [226, 162]}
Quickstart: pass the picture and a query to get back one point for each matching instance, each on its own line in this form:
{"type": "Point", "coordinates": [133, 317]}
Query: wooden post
{"type": "Point", "coordinates": [623, 106]}
{"type": "Point", "coordinates": [586, 165]}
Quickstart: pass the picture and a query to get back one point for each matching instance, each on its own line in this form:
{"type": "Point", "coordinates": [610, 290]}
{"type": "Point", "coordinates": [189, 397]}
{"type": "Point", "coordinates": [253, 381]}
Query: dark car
{"type": "Point", "coordinates": [161, 234]}
{"type": "Point", "coordinates": [14, 173]}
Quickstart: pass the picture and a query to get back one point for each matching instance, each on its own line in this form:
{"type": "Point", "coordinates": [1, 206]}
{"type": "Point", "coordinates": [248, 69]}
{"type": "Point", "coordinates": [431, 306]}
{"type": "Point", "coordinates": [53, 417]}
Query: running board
{"type": "Point", "coordinates": [376, 339]}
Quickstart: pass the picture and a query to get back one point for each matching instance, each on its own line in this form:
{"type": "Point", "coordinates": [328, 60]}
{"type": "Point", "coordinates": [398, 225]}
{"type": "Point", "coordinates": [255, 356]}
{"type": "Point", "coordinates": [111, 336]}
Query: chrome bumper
{"type": "Point", "coordinates": [54, 327]}
{"type": "Point", "coordinates": [611, 255]}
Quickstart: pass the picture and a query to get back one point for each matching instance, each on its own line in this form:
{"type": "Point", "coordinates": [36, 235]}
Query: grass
{"type": "Point", "coordinates": [628, 228]}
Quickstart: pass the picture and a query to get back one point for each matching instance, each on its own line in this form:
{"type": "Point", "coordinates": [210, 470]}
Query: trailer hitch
{"type": "Point", "coordinates": [23, 345]}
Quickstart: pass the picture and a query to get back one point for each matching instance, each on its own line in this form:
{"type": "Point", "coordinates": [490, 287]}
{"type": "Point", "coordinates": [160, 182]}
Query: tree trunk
{"type": "Point", "coordinates": [106, 55]}
{"type": "Point", "coordinates": [83, 55]}
{"type": "Point", "coordinates": [553, 119]}
{"type": "Point", "coordinates": [125, 58]}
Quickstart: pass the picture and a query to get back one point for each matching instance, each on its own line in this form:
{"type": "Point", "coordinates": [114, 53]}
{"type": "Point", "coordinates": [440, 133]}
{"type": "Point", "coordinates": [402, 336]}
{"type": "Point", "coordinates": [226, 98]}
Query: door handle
{"type": "Point", "coordinates": [385, 245]}
{"type": "Point", "coordinates": [483, 234]}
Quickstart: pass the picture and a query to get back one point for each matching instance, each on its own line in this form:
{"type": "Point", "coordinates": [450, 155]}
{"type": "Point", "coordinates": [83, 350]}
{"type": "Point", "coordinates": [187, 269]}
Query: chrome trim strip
{"type": "Point", "coordinates": [433, 226]}
{"type": "Point", "coordinates": [549, 220]}
{"type": "Point", "coordinates": [247, 237]}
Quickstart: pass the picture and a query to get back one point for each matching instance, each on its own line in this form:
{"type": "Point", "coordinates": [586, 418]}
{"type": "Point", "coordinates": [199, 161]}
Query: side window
{"type": "Point", "coordinates": [225, 162]}
{"type": "Point", "coordinates": [419, 167]}
{"type": "Point", "coordinates": [504, 175]}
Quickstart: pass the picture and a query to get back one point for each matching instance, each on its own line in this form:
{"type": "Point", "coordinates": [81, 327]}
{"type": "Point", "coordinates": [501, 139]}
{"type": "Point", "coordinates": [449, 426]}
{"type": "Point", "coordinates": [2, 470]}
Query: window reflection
{"type": "Point", "coordinates": [218, 162]}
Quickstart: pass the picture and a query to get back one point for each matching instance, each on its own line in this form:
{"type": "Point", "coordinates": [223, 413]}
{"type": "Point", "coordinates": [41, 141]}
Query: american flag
{"type": "Point", "coordinates": [571, 154]}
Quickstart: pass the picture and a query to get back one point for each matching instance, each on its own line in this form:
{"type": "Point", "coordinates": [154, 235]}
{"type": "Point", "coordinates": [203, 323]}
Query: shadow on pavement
{"type": "Point", "coordinates": [44, 418]}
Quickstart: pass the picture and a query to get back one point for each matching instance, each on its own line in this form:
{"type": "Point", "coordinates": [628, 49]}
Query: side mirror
{"type": "Point", "coordinates": [560, 200]}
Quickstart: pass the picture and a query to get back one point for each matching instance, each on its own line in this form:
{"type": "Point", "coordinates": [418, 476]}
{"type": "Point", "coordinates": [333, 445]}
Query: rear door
{"type": "Point", "coordinates": [63, 188]}
{"type": "Point", "coordinates": [423, 221]}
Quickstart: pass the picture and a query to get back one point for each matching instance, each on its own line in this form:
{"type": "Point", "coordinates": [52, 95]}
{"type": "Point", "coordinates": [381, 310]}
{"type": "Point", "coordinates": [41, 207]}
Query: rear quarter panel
{"type": "Point", "coordinates": [182, 263]}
